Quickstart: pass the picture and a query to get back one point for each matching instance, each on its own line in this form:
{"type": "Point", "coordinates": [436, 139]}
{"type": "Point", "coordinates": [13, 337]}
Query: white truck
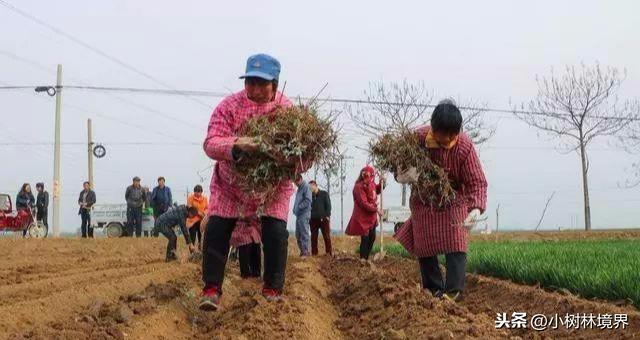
{"type": "Point", "coordinates": [397, 216]}
{"type": "Point", "coordinates": [113, 217]}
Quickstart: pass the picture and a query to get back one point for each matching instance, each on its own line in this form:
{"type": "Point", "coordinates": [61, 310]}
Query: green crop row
{"type": "Point", "coordinates": [605, 269]}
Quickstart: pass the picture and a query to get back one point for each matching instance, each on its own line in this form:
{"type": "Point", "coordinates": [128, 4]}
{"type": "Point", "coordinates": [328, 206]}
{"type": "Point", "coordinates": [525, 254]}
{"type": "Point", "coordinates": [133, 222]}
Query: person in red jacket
{"type": "Point", "coordinates": [364, 218]}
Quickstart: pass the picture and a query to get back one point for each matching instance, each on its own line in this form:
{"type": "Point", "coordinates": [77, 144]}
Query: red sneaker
{"type": "Point", "coordinates": [210, 299]}
{"type": "Point", "coordinates": [272, 295]}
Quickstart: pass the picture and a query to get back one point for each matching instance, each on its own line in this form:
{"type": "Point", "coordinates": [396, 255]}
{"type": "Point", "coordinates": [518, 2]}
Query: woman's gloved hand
{"type": "Point", "coordinates": [472, 219]}
{"type": "Point", "coordinates": [408, 176]}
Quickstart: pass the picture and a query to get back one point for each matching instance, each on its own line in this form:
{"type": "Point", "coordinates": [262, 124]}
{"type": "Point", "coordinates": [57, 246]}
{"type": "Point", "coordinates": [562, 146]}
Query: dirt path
{"type": "Point", "coordinates": [121, 289]}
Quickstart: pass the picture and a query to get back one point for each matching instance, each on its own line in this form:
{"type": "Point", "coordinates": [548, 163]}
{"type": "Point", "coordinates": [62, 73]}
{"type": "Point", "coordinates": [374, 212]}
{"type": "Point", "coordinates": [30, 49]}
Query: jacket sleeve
{"type": "Point", "coordinates": [154, 194]}
{"type": "Point", "coordinates": [220, 136]}
{"type": "Point", "coordinates": [305, 201]}
{"type": "Point", "coordinates": [45, 203]}
{"type": "Point", "coordinates": [360, 197]}
{"type": "Point", "coordinates": [327, 203]}
{"type": "Point", "coordinates": [91, 198]}
{"type": "Point", "coordinates": [32, 199]}
{"type": "Point", "coordinates": [474, 181]}
{"type": "Point", "coordinates": [126, 194]}
{"type": "Point", "coordinates": [170, 196]}
{"type": "Point", "coordinates": [184, 229]}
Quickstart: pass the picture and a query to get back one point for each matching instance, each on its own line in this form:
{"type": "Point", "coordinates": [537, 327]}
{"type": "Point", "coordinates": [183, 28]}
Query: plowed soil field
{"type": "Point", "coordinates": [122, 289]}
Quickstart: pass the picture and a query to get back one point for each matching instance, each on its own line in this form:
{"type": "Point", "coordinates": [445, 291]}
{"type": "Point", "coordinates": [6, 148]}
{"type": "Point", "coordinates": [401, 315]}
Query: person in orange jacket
{"type": "Point", "coordinates": [200, 202]}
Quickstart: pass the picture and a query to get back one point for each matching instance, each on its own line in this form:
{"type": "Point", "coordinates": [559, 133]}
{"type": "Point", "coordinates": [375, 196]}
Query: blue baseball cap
{"type": "Point", "coordinates": [262, 66]}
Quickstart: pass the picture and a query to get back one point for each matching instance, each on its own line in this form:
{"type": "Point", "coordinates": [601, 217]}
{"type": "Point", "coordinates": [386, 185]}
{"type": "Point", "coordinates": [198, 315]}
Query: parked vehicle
{"type": "Point", "coordinates": [20, 220]}
{"type": "Point", "coordinates": [396, 215]}
{"type": "Point", "coordinates": [113, 217]}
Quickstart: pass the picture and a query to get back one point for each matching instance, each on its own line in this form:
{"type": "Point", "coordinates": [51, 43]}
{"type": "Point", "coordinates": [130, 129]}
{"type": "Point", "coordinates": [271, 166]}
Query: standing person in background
{"type": "Point", "coordinates": [42, 205]}
{"type": "Point", "coordinates": [200, 202]}
{"type": "Point", "coordinates": [25, 201]}
{"type": "Point", "coordinates": [433, 230]}
{"type": "Point", "coordinates": [364, 219]}
{"type": "Point", "coordinates": [246, 238]}
{"type": "Point", "coordinates": [161, 198]}
{"type": "Point", "coordinates": [86, 200]}
{"type": "Point", "coordinates": [320, 218]}
{"type": "Point", "coordinates": [302, 211]}
{"type": "Point", "coordinates": [136, 198]}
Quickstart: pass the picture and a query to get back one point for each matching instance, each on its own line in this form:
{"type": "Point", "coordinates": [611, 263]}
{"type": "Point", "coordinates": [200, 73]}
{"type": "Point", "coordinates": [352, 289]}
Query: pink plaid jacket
{"type": "Point", "coordinates": [227, 200]}
{"type": "Point", "coordinates": [247, 231]}
{"type": "Point", "coordinates": [431, 231]}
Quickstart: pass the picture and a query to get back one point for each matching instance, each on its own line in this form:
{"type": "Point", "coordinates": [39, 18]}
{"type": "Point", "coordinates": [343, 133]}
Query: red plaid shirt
{"type": "Point", "coordinates": [431, 231]}
{"type": "Point", "coordinates": [227, 200]}
{"type": "Point", "coordinates": [247, 231]}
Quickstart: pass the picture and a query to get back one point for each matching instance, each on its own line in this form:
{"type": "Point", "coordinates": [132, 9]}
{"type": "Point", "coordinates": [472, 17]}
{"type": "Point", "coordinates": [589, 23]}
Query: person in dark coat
{"type": "Point", "coordinates": [42, 205]}
{"type": "Point", "coordinates": [25, 201]}
{"type": "Point", "coordinates": [320, 218]}
{"type": "Point", "coordinates": [364, 219]}
{"type": "Point", "coordinates": [161, 198]}
{"type": "Point", "coordinates": [136, 197]}
{"type": "Point", "coordinates": [432, 230]}
{"type": "Point", "coordinates": [86, 200]}
{"type": "Point", "coordinates": [175, 216]}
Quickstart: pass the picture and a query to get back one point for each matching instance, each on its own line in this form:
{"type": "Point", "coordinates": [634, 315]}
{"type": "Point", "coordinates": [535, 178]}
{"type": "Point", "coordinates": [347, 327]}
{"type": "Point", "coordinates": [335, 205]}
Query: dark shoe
{"type": "Point", "coordinates": [171, 257]}
{"type": "Point", "coordinates": [210, 300]}
{"type": "Point", "coordinates": [272, 295]}
{"type": "Point", "coordinates": [453, 296]}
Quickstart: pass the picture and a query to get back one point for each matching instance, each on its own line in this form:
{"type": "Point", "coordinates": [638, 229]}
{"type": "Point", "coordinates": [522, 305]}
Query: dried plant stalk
{"type": "Point", "coordinates": [289, 139]}
{"type": "Point", "coordinates": [401, 150]}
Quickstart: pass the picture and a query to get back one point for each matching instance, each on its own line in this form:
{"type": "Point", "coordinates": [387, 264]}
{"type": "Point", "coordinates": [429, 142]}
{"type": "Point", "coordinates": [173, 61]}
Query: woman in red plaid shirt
{"type": "Point", "coordinates": [228, 203]}
{"type": "Point", "coordinates": [431, 230]}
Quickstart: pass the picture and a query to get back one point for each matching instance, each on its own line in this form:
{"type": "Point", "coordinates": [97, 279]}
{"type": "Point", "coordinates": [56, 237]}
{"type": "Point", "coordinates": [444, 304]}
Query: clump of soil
{"type": "Point", "coordinates": [376, 301]}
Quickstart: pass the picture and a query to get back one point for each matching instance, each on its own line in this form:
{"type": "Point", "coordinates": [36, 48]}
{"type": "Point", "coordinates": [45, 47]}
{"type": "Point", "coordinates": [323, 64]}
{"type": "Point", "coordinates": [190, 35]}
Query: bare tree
{"type": "Point", "coordinates": [401, 106]}
{"type": "Point", "coordinates": [577, 107]}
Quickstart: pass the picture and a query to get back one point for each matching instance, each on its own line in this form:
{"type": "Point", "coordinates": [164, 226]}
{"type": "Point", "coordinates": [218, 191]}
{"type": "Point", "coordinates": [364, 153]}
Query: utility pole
{"type": "Point", "coordinates": [57, 184]}
{"type": "Point", "coordinates": [497, 218]}
{"type": "Point", "coordinates": [342, 179]}
{"type": "Point", "coordinates": [90, 152]}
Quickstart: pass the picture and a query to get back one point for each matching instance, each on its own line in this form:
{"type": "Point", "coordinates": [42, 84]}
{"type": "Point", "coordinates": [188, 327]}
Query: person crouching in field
{"type": "Point", "coordinates": [246, 238]}
{"type": "Point", "coordinates": [430, 230]}
{"type": "Point", "coordinates": [227, 202]}
{"type": "Point", "coordinates": [175, 216]}
{"type": "Point", "coordinates": [364, 219]}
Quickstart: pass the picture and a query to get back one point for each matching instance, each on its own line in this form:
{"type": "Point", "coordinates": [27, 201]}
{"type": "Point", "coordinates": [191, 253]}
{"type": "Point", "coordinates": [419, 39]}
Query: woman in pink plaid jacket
{"type": "Point", "coordinates": [228, 203]}
{"type": "Point", "coordinates": [432, 230]}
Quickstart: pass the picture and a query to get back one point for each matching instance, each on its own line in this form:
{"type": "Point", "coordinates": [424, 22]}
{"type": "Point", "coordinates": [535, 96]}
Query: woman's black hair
{"type": "Point", "coordinates": [446, 118]}
{"type": "Point", "coordinates": [24, 187]}
{"type": "Point", "coordinates": [197, 188]}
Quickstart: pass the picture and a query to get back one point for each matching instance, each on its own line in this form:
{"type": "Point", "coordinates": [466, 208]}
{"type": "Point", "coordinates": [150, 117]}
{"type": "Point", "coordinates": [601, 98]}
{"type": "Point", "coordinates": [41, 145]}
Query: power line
{"type": "Point", "coordinates": [95, 50]}
{"type": "Point", "coordinates": [43, 68]}
{"type": "Point", "coordinates": [330, 100]}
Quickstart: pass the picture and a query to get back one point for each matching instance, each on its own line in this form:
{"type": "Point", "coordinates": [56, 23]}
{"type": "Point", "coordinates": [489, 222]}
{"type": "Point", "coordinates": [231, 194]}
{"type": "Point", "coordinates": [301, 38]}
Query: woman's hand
{"type": "Point", "coordinates": [246, 144]}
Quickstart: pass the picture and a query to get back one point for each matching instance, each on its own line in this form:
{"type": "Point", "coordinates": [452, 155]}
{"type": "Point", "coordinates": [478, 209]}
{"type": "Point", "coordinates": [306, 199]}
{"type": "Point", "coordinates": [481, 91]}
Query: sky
{"type": "Point", "coordinates": [489, 51]}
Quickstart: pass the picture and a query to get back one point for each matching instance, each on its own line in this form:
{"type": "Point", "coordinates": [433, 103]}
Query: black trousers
{"type": "Point", "coordinates": [85, 227]}
{"type": "Point", "coordinates": [366, 243]}
{"type": "Point", "coordinates": [170, 234]}
{"type": "Point", "coordinates": [194, 232]}
{"type": "Point", "coordinates": [250, 260]}
{"type": "Point", "coordinates": [43, 215]}
{"type": "Point", "coordinates": [134, 221]}
{"type": "Point", "coordinates": [275, 239]}
{"type": "Point", "coordinates": [432, 276]}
